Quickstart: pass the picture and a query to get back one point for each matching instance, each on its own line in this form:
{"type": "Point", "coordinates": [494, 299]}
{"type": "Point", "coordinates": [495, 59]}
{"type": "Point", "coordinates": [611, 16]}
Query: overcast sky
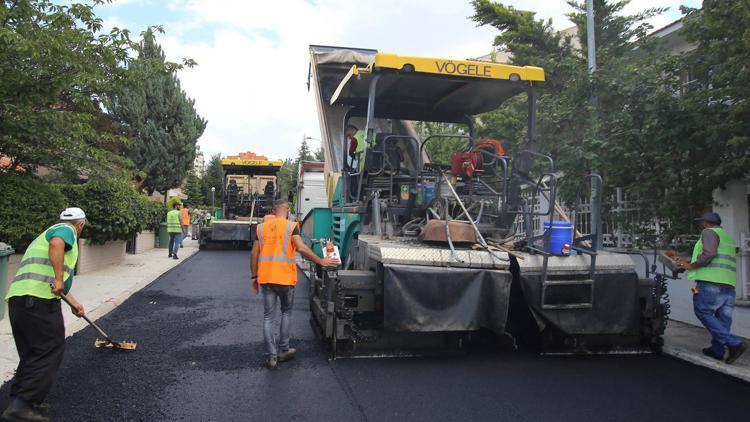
{"type": "Point", "coordinates": [250, 83]}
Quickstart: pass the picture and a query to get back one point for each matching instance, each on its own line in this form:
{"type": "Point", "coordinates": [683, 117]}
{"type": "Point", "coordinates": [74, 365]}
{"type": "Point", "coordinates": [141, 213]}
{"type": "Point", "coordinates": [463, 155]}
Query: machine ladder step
{"type": "Point", "coordinates": [568, 293]}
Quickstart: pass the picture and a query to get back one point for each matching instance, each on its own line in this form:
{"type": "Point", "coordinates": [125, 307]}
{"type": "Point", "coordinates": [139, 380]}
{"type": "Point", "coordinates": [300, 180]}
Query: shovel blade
{"type": "Point", "coordinates": [124, 345]}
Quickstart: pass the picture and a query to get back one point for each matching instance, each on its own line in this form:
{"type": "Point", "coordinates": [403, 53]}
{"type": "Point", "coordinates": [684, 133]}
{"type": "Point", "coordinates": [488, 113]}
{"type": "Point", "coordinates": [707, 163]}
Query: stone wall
{"type": "Point", "coordinates": [145, 241]}
{"type": "Point", "coordinates": [95, 257]}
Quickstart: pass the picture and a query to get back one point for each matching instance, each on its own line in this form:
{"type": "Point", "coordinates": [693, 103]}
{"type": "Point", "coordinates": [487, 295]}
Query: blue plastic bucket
{"type": "Point", "coordinates": [562, 234]}
{"type": "Point", "coordinates": [429, 193]}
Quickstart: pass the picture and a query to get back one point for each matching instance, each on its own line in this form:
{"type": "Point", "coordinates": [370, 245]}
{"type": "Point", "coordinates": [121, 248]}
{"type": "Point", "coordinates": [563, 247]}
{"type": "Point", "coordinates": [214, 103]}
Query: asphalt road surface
{"type": "Point", "coordinates": [200, 358]}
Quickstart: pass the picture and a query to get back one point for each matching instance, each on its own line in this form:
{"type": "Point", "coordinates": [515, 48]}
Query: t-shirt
{"type": "Point", "coordinates": [67, 234]}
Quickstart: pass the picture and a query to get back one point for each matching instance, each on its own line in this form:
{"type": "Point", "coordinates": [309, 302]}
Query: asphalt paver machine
{"type": "Point", "coordinates": [431, 252]}
{"type": "Point", "coordinates": [250, 187]}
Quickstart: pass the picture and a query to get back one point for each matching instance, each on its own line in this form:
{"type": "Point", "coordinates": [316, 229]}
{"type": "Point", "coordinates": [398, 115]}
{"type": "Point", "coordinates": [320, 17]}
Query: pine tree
{"type": "Point", "coordinates": [213, 178]}
{"type": "Point", "coordinates": [193, 187]}
{"type": "Point", "coordinates": [159, 118]}
{"type": "Point", "coordinates": [304, 153]}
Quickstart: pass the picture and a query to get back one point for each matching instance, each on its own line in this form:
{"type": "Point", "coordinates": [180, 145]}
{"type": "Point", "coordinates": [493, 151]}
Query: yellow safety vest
{"type": "Point", "coordinates": [36, 274]}
{"type": "Point", "coordinates": [723, 267]}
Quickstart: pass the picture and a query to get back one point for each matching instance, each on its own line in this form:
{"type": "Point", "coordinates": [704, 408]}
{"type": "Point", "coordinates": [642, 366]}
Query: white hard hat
{"type": "Point", "coordinates": [72, 214]}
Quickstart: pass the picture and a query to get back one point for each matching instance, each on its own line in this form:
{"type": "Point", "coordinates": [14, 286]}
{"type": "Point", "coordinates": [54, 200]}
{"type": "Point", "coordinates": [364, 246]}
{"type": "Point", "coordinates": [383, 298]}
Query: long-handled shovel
{"type": "Point", "coordinates": [109, 342]}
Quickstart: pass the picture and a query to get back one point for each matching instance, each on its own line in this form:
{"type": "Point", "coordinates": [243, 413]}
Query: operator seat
{"type": "Point", "coordinates": [388, 157]}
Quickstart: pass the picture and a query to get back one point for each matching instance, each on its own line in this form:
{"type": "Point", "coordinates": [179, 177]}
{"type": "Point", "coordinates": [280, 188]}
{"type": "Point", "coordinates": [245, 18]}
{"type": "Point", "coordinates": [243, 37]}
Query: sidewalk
{"type": "Point", "coordinates": [685, 336]}
{"type": "Point", "coordinates": [100, 292]}
{"type": "Point", "coordinates": [685, 341]}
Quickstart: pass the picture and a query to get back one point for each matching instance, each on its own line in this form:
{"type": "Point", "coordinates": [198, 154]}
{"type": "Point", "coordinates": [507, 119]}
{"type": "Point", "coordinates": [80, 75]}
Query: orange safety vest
{"type": "Point", "coordinates": [277, 263]}
{"type": "Point", "coordinates": [185, 214]}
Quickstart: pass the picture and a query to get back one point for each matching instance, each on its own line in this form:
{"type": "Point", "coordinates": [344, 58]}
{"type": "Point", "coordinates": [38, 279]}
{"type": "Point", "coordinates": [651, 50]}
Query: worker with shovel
{"type": "Point", "coordinates": [35, 313]}
{"type": "Point", "coordinates": [274, 271]}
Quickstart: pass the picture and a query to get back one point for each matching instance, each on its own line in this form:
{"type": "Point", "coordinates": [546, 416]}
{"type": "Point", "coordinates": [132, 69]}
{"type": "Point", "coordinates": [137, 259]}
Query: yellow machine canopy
{"type": "Point", "coordinates": [427, 89]}
{"type": "Point", "coordinates": [250, 166]}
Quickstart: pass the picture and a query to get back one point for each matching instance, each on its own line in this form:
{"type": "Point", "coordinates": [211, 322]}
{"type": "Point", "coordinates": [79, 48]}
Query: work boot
{"type": "Point", "coordinates": [42, 408]}
{"type": "Point", "coordinates": [708, 351]}
{"type": "Point", "coordinates": [272, 363]}
{"type": "Point", "coordinates": [287, 355]}
{"type": "Point", "coordinates": [20, 411]}
{"type": "Point", "coordinates": [735, 352]}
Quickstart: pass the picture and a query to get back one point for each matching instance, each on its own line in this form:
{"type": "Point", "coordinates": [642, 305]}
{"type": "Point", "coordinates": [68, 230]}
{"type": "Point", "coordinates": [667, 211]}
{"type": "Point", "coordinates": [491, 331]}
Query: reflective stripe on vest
{"type": "Point", "coordinates": [36, 273]}
{"type": "Point", "coordinates": [277, 262]}
{"type": "Point", "coordinates": [45, 261]}
{"type": "Point", "coordinates": [173, 222]}
{"type": "Point", "coordinates": [723, 267]}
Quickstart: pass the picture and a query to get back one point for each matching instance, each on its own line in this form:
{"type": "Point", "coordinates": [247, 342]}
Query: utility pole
{"type": "Point", "coordinates": [596, 217]}
{"type": "Point", "coordinates": [590, 39]}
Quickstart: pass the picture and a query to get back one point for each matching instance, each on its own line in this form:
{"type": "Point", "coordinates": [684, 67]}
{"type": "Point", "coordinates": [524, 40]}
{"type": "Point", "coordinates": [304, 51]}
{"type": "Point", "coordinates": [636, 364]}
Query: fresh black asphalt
{"type": "Point", "coordinates": [200, 358]}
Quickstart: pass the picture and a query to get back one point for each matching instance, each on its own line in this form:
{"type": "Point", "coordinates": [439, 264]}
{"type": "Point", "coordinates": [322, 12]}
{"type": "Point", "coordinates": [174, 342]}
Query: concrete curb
{"type": "Point", "coordinates": [742, 374]}
{"type": "Point", "coordinates": [112, 303]}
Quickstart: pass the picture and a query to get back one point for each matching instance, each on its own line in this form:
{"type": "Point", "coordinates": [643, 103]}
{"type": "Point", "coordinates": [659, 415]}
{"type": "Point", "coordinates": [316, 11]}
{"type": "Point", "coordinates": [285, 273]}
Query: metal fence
{"type": "Point", "coordinates": [619, 215]}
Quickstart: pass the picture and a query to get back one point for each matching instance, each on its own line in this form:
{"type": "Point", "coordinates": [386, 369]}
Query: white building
{"type": "Point", "coordinates": [199, 164]}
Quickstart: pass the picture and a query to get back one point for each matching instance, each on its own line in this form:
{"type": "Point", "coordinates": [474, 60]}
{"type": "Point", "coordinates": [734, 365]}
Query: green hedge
{"type": "Point", "coordinates": [152, 214]}
{"type": "Point", "coordinates": [27, 206]}
{"type": "Point", "coordinates": [114, 210]}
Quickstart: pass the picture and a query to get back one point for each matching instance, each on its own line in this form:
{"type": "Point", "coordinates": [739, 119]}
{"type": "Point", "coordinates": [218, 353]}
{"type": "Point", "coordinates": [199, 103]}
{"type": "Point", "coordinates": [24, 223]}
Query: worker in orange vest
{"type": "Point", "coordinates": [185, 221]}
{"type": "Point", "coordinates": [274, 272]}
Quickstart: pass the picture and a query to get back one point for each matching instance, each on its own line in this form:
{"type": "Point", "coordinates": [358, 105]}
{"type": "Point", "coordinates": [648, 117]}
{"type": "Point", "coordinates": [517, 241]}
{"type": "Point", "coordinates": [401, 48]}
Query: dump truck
{"type": "Point", "coordinates": [249, 188]}
{"type": "Point", "coordinates": [434, 253]}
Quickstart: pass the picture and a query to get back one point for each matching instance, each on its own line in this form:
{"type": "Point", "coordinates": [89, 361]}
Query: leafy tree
{"type": "Point", "coordinates": [440, 151]}
{"type": "Point", "coordinates": [720, 69]}
{"type": "Point", "coordinates": [56, 67]}
{"type": "Point", "coordinates": [174, 199]}
{"type": "Point", "coordinates": [27, 206]}
{"type": "Point", "coordinates": [319, 155]}
{"type": "Point", "coordinates": [641, 135]}
{"type": "Point", "coordinates": [159, 118]}
{"type": "Point", "coordinates": [287, 179]}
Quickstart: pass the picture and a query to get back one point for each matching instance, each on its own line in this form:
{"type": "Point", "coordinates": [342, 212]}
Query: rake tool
{"type": "Point", "coordinates": [109, 342]}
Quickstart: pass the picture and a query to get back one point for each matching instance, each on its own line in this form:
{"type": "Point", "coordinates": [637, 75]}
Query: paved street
{"type": "Point", "coordinates": [200, 358]}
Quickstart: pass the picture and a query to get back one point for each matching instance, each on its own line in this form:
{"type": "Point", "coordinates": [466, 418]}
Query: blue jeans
{"type": "Point", "coordinates": [174, 242]}
{"type": "Point", "coordinates": [273, 293]}
{"type": "Point", "coordinates": [184, 234]}
{"type": "Point", "coordinates": [713, 305]}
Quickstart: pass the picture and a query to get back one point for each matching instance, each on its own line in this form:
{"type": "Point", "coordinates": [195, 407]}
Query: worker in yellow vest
{"type": "Point", "coordinates": [35, 313]}
{"type": "Point", "coordinates": [713, 266]}
{"type": "Point", "coordinates": [174, 228]}
{"type": "Point", "coordinates": [274, 272]}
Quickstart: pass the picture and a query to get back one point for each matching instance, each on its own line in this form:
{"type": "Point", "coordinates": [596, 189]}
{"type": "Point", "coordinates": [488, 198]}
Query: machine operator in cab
{"type": "Point", "coordinates": [274, 273]}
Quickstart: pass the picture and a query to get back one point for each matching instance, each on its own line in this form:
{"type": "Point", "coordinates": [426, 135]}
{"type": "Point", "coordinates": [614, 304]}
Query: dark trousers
{"type": "Point", "coordinates": [39, 332]}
